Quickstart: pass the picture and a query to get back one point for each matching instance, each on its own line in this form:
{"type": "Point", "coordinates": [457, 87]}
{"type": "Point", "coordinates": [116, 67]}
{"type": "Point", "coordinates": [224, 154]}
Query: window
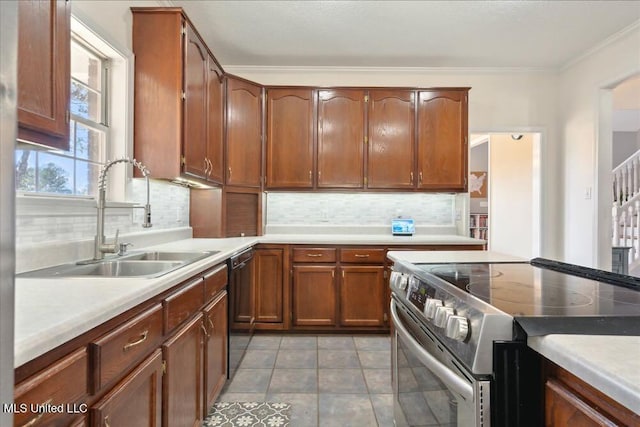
{"type": "Point", "coordinates": [74, 172]}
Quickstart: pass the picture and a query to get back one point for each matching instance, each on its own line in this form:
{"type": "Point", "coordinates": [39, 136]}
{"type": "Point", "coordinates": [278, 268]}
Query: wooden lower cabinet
{"type": "Point", "coordinates": [362, 296]}
{"type": "Point", "coordinates": [182, 386]}
{"type": "Point", "coordinates": [570, 402]}
{"type": "Point", "coordinates": [62, 383]}
{"type": "Point", "coordinates": [314, 295]}
{"type": "Point", "coordinates": [136, 400]}
{"type": "Point", "coordinates": [215, 349]}
{"type": "Point", "coordinates": [268, 265]}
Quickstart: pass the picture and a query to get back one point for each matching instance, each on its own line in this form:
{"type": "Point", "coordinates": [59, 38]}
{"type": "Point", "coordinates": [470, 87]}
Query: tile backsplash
{"type": "Point", "coordinates": [360, 209]}
{"type": "Point", "coordinates": [49, 233]}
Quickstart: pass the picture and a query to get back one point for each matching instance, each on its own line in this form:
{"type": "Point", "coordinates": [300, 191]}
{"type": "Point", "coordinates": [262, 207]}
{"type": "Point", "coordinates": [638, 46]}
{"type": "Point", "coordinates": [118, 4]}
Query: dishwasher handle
{"type": "Point", "coordinates": [446, 375]}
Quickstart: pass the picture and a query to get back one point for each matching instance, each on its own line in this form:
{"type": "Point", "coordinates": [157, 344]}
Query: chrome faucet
{"type": "Point", "coordinates": [101, 247]}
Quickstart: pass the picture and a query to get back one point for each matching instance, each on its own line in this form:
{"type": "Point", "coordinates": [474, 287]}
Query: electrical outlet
{"type": "Point", "coordinates": [587, 193]}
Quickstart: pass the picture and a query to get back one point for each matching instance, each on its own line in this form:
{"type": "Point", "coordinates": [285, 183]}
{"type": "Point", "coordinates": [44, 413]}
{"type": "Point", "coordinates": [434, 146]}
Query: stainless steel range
{"type": "Point", "coordinates": [460, 354]}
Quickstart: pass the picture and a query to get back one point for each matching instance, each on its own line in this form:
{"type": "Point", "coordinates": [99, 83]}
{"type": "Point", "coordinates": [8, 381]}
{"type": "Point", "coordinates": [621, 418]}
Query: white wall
{"type": "Point", "coordinates": [512, 100]}
{"type": "Point", "coordinates": [511, 195]}
{"type": "Point", "coordinates": [624, 145]}
{"type": "Point", "coordinates": [585, 97]}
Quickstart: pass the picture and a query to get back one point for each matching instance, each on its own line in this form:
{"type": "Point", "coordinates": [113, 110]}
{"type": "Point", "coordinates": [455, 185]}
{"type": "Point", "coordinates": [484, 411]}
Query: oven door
{"type": "Point", "coordinates": [430, 387]}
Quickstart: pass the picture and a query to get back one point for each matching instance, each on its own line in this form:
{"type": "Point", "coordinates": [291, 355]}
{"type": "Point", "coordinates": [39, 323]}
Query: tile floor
{"type": "Point", "coordinates": [330, 380]}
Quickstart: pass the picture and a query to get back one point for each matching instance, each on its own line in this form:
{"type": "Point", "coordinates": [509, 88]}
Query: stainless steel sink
{"type": "Point", "coordinates": [168, 256]}
{"type": "Point", "coordinates": [141, 265]}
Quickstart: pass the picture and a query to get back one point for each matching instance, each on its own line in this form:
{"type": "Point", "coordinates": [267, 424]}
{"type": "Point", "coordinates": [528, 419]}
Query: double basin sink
{"type": "Point", "coordinates": [134, 264]}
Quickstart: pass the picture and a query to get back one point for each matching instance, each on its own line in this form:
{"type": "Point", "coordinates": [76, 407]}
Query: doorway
{"type": "Point", "coordinates": [508, 164]}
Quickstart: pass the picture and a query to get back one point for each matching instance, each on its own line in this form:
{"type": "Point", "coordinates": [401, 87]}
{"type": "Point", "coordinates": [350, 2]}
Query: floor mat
{"type": "Point", "coordinates": [248, 414]}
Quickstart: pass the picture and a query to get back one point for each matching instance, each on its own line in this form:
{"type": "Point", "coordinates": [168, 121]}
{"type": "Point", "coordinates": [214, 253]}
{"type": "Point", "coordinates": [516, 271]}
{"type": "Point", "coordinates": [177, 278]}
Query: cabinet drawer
{"type": "Point", "coordinates": [64, 382]}
{"type": "Point", "coordinates": [314, 255]}
{"type": "Point", "coordinates": [134, 401]}
{"type": "Point", "coordinates": [214, 281]}
{"type": "Point", "coordinates": [183, 304]}
{"type": "Point", "coordinates": [120, 349]}
{"type": "Point", "coordinates": [362, 256]}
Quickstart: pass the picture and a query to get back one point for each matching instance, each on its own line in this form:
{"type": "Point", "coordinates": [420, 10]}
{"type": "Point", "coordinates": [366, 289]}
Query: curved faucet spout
{"type": "Point", "coordinates": [101, 247]}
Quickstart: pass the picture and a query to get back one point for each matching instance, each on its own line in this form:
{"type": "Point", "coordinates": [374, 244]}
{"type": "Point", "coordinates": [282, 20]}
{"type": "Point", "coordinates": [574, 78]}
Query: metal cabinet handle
{"type": "Point", "coordinates": [310, 175]}
{"type": "Point", "coordinates": [37, 418]}
{"type": "Point", "coordinates": [206, 167]}
{"type": "Point", "coordinates": [229, 171]}
{"type": "Point", "coordinates": [210, 325]}
{"type": "Point", "coordinates": [314, 255]}
{"type": "Point", "coordinates": [361, 255]}
{"type": "Point", "coordinates": [420, 177]}
{"type": "Point", "coordinates": [106, 421]}
{"type": "Point", "coordinates": [143, 338]}
{"type": "Point", "coordinates": [206, 334]}
{"type": "Point", "coordinates": [411, 177]}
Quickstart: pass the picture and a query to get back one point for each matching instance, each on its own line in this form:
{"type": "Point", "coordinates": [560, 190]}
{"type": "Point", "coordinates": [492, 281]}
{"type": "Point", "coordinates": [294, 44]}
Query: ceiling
{"type": "Point", "coordinates": [520, 34]}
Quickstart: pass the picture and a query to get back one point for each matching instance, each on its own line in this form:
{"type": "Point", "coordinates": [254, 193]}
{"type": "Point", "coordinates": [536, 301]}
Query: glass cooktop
{"type": "Point", "coordinates": [522, 289]}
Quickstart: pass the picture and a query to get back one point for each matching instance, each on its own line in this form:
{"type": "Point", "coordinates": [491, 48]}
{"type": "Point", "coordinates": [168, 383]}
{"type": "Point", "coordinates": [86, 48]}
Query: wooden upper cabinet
{"type": "Point", "coordinates": [43, 72]}
{"type": "Point", "coordinates": [244, 133]}
{"type": "Point", "coordinates": [179, 98]}
{"type": "Point", "coordinates": [289, 138]}
{"type": "Point", "coordinates": [442, 140]}
{"type": "Point", "coordinates": [341, 115]}
{"type": "Point", "coordinates": [391, 146]}
{"type": "Point", "coordinates": [195, 104]}
{"type": "Point", "coordinates": [215, 121]}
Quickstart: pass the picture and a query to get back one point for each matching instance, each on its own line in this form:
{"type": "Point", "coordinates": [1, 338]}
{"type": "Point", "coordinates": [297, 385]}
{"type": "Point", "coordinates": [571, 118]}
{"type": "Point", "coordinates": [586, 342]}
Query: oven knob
{"type": "Point", "coordinates": [442, 314]}
{"type": "Point", "coordinates": [457, 328]}
{"type": "Point", "coordinates": [430, 307]}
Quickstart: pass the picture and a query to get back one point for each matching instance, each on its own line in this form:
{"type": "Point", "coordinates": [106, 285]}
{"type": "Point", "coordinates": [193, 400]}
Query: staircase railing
{"type": "Point", "coordinates": [626, 228]}
{"type": "Point", "coordinates": [626, 184]}
{"type": "Point", "coordinates": [626, 207]}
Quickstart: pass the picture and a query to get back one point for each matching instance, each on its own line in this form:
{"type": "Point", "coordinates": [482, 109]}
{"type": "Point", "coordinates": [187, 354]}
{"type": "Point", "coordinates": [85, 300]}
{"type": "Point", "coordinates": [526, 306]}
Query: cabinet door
{"type": "Point", "coordinates": [215, 350]}
{"type": "Point", "coordinates": [341, 138]}
{"type": "Point", "coordinates": [215, 121]}
{"type": "Point", "coordinates": [43, 70]}
{"type": "Point", "coordinates": [314, 295]}
{"type": "Point", "coordinates": [269, 285]}
{"type": "Point", "coordinates": [289, 138]}
{"type": "Point", "coordinates": [565, 408]}
{"type": "Point", "coordinates": [442, 140]}
{"type": "Point", "coordinates": [244, 130]}
{"type": "Point", "coordinates": [362, 301]}
{"type": "Point", "coordinates": [391, 148]}
{"type": "Point", "coordinates": [136, 400]}
{"type": "Point", "coordinates": [182, 386]}
{"type": "Point", "coordinates": [195, 105]}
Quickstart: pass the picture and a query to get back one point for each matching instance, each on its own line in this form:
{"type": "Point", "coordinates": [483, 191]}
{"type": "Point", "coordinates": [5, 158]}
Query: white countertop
{"type": "Point", "coordinates": [50, 312]}
{"type": "Point", "coordinates": [609, 363]}
{"type": "Point", "coordinates": [441, 257]}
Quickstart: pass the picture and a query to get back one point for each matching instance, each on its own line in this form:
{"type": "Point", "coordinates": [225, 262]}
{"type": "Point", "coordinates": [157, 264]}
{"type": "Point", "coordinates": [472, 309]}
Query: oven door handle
{"type": "Point", "coordinates": [446, 375]}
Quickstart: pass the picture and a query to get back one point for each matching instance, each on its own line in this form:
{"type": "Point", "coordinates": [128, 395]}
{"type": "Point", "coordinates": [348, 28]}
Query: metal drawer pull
{"type": "Point", "coordinates": [33, 421]}
{"type": "Point", "coordinates": [206, 334]}
{"type": "Point", "coordinates": [314, 255]}
{"type": "Point", "coordinates": [362, 255]}
{"type": "Point", "coordinates": [142, 339]}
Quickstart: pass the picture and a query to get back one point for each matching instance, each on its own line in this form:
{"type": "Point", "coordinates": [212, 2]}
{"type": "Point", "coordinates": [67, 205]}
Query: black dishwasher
{"type": "Point", "coordinates": [241, 307]}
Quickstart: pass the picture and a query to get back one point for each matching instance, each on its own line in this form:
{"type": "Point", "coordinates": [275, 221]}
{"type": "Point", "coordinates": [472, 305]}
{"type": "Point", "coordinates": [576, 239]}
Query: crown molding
{"type": "Point", "coordinates": [273, 69]}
